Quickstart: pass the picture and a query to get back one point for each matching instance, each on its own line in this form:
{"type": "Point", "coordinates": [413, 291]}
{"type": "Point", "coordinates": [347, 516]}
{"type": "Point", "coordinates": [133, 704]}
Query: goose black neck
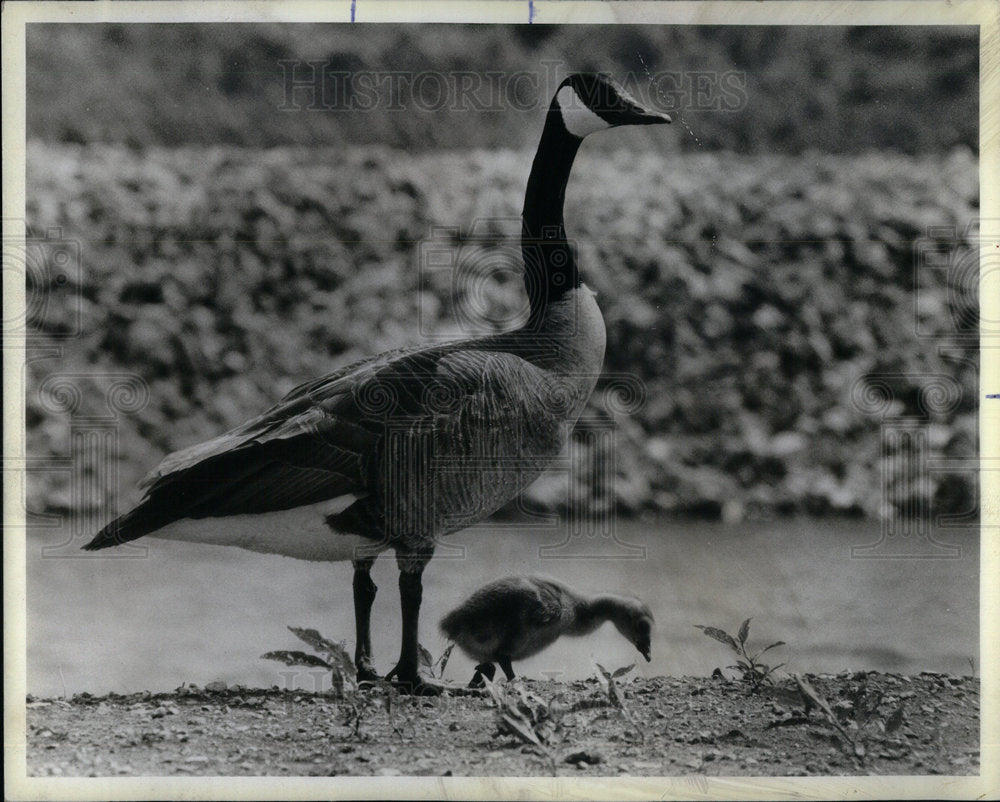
{"type": "Point", "coordinates": [549, 262]}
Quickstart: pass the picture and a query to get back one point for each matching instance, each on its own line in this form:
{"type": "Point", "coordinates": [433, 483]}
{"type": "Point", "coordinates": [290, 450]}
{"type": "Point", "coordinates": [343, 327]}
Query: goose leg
{"type": "Point", "coordinates": [407, 670]}
{"type": "Point", "coordinates": [508, 669]}
{"type": "Point", "coordinates": [364, 597]}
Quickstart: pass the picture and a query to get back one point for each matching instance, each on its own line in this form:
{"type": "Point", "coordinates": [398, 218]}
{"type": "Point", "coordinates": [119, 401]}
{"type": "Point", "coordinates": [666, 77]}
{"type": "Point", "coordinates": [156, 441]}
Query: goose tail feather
{"type": "Point", "coordinates": [132, 525]}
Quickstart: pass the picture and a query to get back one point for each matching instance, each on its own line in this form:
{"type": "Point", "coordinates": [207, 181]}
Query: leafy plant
{"type": "Point", "coordinates": [342, 670]}
{"type": "Point", "coordinates": [434, 667]}
{"type": "Point", "coordinates": [752, 670]}
{"type": "Point", "coordinates": [359, 705]}
{"type": "Point", "coordinates": [536, 721]}
{"type": "Point", "coordinates": [525, 715]}
{"type": "Point", "coordinates": [860, 712]}
{"type": "Point", "coordinates": [363, 704]}
{"type": "Point", "coordinates": [856, 718]}
{"type": "Point", "coordinates": [611, 688]}
{"type": "Point", "coordinates": [800, 437]}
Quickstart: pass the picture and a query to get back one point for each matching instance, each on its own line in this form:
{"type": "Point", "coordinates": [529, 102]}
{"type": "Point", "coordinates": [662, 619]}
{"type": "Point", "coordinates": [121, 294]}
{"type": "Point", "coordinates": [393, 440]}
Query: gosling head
{"type": "Point", "coordinates": [591, 102]}
{"type": "Point", "coordinates": [637, 627]}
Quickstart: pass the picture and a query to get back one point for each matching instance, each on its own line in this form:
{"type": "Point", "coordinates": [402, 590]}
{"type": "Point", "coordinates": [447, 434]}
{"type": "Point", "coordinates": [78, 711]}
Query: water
{"type": "Point", "coordinates": [170, 613]}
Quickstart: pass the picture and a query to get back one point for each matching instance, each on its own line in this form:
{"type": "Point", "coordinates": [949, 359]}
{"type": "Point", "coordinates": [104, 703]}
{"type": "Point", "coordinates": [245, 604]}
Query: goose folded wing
{"type": "Point", "coordinates": [319, 443]}
{"type": "Point", "coordinates": [309, 410]}
{"type": "Point", "coordinates": [309, 458]}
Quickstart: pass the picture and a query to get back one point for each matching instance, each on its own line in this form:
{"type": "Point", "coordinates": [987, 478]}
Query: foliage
{"type": "Point", "coordinates": [615, 695]}
{"type": "Point", "coordinates": [522, 713]}
{"type": "Point", "coordinates": [335, 658]}
{"type": "Point", "coordinates": [538, 722]}
{"type": "Point", "coordinates": [773, 312]}
{"type": "Point", "coordinates": [752, 671]}
{"type": "Point", "coordinates": [856, 717]}
{"type": "Point", "coordinates": [358, 705]}
{"type": "Point", "coordinates": [434, 667]}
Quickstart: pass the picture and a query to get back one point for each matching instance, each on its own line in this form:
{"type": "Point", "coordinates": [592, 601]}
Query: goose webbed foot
{"type": "Point", "coordinates": [410, 681]}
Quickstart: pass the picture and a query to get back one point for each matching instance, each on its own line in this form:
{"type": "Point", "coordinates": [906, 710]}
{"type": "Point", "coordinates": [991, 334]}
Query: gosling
{"type": "Point", "coordinates": [517, 617]}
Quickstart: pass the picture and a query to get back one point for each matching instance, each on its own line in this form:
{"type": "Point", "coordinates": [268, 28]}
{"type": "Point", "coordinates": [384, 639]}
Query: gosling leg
{"type": "Point", "coordinates": [508, 669]}
{"type": "Point", "coordinates": [482, 670]}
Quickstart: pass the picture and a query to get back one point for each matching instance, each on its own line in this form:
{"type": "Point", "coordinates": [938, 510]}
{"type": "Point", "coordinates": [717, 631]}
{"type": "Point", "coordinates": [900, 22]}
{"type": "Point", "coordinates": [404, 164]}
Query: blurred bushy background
{"type": "Point", "coordinates": [783, 277]}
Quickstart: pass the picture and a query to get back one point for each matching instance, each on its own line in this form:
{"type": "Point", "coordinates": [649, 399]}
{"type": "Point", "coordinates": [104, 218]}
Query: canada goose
{"type": "Point", "coordinates": [396, 450]}
{"type": "Point", "coordinates": [516, 617]}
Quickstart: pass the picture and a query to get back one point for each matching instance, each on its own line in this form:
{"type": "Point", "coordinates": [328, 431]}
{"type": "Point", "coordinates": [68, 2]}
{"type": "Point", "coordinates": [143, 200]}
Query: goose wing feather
{"type": "Point", "coordinates": [303, 411]}
{"type": "Point", "coordinates": [323, 440]}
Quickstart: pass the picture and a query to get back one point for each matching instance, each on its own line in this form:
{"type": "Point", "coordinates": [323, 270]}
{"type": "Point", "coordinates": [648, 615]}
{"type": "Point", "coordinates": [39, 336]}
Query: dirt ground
{"type": "Point", "coordinates": [886, 724]}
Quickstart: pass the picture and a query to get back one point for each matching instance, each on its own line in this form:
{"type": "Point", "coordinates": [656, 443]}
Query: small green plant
{"type": "Point", "coordinates": [362, 704]}
{"type": "Point", "coordinates": [358, 705]}
{"type": "Point", "coordinates": [860, 713]}
{"type": "Point", "coordinates": [855, 717]}
{"type": "Point", "coordinates": [536, 721]}
{"type": "Point", "coordinates": [752, 670]}
{"type": "Point", "coordinates": [434, 667]}
{"type": "Point", "coordinates": [614, 692]}
{"type": "Point", "coordinates": [525, 715]}
{"type": "Point", "coordinates": [335, 658]}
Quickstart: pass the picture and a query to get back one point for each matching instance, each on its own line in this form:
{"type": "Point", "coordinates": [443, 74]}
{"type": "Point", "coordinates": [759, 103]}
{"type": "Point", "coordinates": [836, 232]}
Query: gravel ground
{"type": "Point", "coordinates": [887, 724]}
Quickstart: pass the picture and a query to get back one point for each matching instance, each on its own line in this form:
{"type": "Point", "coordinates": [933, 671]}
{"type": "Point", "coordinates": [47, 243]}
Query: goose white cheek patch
{"type": "Point", "coordinates": [578, 119]}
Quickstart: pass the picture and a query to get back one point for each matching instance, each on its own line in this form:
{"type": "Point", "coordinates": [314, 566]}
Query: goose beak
{"type": "Point", "coordinates": [645, 651]}
{"type": "Point", "coordinates": [640, 116]}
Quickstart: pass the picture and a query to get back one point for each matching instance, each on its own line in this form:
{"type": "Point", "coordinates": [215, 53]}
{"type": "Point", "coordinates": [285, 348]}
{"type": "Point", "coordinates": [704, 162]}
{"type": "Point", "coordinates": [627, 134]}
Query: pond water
{"type": "Point", "coordinates": [157, 614]}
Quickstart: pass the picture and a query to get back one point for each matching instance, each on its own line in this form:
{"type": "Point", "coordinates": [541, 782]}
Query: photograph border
{"type": "Point", "coordinates": [980, 13]}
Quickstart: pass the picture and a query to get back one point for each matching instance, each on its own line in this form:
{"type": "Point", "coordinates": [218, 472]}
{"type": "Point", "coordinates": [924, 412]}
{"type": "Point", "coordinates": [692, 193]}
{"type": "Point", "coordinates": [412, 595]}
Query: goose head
{"type": "Point", "coordinates": [636, 625]}
{"type": "Point", "coordinates": [589, 102]}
